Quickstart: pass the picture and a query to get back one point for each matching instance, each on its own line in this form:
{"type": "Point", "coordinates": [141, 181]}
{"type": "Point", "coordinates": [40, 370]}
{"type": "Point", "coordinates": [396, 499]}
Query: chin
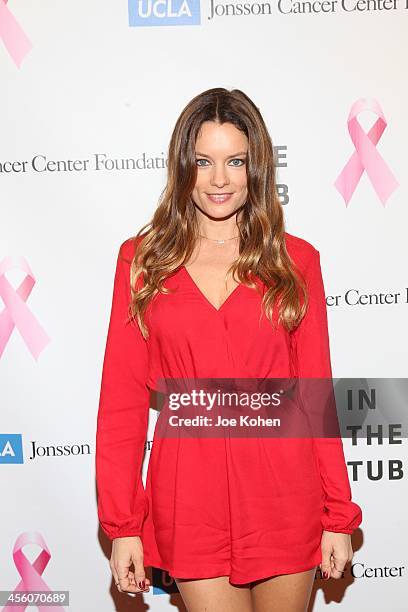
{"type": "Point", "coordinates": [220, 211]}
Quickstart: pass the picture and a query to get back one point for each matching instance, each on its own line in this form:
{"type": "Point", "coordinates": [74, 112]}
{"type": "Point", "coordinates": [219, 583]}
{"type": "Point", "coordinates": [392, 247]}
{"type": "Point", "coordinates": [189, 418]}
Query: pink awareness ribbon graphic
{"type": "Point", "coordinates": [31, 579]}
{"type": "Point", "coordinates": [16, 312]}
{"type": "Point", "coordinates": [366, 157]}
{"type": "Point", "coordinates": [13, 35]}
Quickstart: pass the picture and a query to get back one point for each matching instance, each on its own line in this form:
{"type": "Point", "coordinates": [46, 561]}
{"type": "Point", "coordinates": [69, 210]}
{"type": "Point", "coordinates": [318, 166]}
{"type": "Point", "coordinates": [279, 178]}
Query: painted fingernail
{"type": "Point", "coordinates": [141, 584]}
{"type": "Point", "coordinates": [325, 575]}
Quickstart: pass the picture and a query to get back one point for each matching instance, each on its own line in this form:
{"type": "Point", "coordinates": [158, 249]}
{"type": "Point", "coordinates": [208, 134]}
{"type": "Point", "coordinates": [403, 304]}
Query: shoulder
{"type": "Point", "coordinates": [128, 248]}
{"type": "Point", "coordinates": [300, 250]}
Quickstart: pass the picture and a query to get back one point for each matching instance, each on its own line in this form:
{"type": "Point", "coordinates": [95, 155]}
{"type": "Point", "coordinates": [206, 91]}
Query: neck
{"type": "Point", "coordinates": [223, 229]}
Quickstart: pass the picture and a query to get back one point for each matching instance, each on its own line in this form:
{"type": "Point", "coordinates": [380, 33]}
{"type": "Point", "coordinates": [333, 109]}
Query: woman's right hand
{"type": "Point", "coordinates": [126, 551]}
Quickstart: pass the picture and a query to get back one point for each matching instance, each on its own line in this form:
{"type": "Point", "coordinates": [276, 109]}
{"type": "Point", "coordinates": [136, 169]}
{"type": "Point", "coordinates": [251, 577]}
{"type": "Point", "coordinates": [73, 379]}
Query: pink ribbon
{"type": "Point", "coordinates": [366, 157]}
{"type": "Point", "coordinates": [31, 574]}
{"type": "Point", "coordinates": [13, 35]}
{"type": "Point", "coordinates": [16, 312]}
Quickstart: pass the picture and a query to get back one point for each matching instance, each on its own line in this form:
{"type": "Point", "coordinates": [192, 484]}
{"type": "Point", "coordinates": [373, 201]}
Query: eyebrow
{"type": "Point", "coordinates": [229, 156]}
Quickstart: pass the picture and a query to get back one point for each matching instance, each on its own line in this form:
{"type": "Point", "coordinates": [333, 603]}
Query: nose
{"type": "Point", "coordinates": [219, 176]}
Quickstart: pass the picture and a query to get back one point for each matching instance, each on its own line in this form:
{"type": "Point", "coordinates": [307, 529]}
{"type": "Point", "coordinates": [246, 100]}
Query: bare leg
{"type": "Point", "coordinates": [214, 595]}
{"type": "Point", "coordinates": [284, 593]}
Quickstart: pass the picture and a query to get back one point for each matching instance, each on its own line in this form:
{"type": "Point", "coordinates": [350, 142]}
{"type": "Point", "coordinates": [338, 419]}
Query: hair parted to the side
{"type": "Point", "coordinates": [173, 230]}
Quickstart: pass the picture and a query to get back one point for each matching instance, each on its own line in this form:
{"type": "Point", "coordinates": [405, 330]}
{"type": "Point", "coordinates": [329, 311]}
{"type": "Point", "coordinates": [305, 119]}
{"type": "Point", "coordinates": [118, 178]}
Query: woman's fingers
{"type": "Point", "coordinates": [125, 552]}
{"type": "Point", "coordinates": [326, 561]}
{"type": "Point", "coordinates": [132, 582]}
{"type": "Point", "coordinates": [336, 552]}
{"type": "Point", "coordinates": [341, 555]}
{"type": "Point", "coordinates": [132, 578]}
{"type": "Point", "coordinates": [115, 575]}
{"type": "Point", "coordinates": [339, 563]}
{"type": "Point", "coordinates": [126, 581]}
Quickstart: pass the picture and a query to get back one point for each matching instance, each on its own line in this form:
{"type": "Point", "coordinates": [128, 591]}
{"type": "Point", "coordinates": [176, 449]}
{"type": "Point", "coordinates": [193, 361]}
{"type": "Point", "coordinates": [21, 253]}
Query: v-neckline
{"type": "Point", "coordinates": [227, 299]}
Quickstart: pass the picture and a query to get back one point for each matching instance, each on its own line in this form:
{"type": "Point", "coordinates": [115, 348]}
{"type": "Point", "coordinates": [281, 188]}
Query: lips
{"type": "Point", "coordinates": [219, 198]}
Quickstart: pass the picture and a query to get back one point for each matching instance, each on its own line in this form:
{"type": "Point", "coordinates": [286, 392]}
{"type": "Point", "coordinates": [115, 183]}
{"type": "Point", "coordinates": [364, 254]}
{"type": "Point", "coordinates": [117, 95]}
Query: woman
{"type": "Point", "coordinates": [240, 523]}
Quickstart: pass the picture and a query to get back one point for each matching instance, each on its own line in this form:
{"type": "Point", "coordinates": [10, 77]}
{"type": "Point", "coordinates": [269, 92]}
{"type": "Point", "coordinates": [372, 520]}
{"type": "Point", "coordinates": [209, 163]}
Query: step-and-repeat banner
{"type": "Point", "coordinates": [90, 92]}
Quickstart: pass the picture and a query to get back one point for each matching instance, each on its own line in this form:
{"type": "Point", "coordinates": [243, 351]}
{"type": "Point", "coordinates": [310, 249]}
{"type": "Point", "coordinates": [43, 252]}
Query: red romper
{"type": "Point", "coordinates": [247, 508]}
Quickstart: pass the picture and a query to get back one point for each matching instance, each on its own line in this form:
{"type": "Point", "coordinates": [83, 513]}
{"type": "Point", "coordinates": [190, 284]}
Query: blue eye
{"type": "Point", "coordinates": [242, 162]}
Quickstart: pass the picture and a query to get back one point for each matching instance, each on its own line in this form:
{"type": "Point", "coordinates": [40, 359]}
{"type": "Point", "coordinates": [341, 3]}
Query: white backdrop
{"type": "Point", "coordinates": [105, 82]}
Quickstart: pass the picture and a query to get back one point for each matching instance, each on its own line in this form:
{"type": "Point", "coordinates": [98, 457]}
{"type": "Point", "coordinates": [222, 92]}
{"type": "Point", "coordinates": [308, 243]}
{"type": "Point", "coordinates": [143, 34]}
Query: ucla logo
{"type": "Point", "coordinates": [164, 12]}
{"type": "Point", "coordinates": [11, 448]}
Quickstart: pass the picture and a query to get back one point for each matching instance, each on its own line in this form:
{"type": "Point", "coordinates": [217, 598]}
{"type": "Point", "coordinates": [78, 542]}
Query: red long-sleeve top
{"type": "Point", "coordinates": [246, 508]}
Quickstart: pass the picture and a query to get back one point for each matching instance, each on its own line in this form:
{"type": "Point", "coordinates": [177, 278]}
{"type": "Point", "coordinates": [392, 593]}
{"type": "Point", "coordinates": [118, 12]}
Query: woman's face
{"type": "Point", "coordinates": [221, 169]}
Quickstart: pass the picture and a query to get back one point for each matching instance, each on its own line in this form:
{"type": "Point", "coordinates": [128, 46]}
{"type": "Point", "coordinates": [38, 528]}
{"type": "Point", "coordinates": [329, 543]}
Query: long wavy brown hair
{"type": "Point", "coordinates": [173, 230]}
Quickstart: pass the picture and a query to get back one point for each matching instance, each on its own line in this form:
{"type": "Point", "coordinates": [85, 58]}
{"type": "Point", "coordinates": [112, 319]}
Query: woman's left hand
{"type": "Point", "coordinates": [336, 552]}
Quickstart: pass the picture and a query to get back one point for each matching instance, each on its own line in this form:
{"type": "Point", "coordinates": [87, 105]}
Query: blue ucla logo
{"type": "Point", "coordinates": [164, 12]}
{"type": "Point", "coordinates": [11, 448]}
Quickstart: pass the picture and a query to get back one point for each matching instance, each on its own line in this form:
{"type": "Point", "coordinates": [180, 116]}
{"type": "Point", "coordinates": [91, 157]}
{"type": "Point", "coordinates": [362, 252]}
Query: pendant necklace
{"type": "Point", "coordinates": [218, 241]}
